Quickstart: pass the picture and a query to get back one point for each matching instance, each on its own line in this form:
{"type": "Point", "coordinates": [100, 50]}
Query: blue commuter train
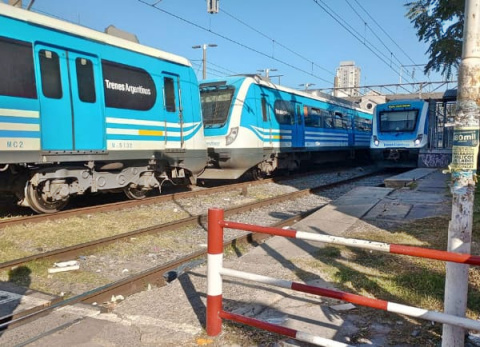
{"type": "Point", "coordinates": [400, 131]}
{"type": "Point", "coordinates": [83, 111]}
{"type": "Point", "coordinates": [254, 126]}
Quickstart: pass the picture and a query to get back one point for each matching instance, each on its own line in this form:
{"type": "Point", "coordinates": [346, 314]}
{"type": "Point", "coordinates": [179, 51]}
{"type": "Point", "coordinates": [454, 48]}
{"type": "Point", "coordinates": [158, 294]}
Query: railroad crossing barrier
{"type": "Point", "coordinates": [215, 271]}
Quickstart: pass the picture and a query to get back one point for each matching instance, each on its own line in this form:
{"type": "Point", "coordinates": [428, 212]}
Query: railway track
{"type": "Point", "coordinates": [156, 275]}
{"type": "Point", "coordinates": [115, 206]}
{"type": "Point", "coordinates": [200, 220]}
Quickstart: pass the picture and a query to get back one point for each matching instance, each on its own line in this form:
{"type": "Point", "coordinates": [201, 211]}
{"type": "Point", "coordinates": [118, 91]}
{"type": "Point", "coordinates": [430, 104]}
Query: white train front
{"type": "Point", "coordinates": [400, 130]}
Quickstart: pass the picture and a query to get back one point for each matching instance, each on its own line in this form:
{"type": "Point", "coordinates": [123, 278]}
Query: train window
{"type": "Point", "coordinates": [169, 86]}
{"type": "Point", "coordinates": [327, 119]}
{"type": "Point", "coordinates": [284, 112]}
{"type": "Point", "coordinates": [264, 109]}
{"type": "Point", "coordinates": [299, 115]}
{"type": "Point", "coordinates": [16, 63]}
{"type": "Point", "coordinates": [363, 124]}
{"type": "Point", "coordinates": [314, 118]}
{"type": "Point", "coordinates": [402, 120]}
{"type": "Point", "coordinates": [317, 118]}
{"type": "Point", "coordinates": [128, 87]}
{"type": "Point", "coordinates": [50, 72]}
{"type": "Point", "coordinates": [338, 121]}
{"type": "Point", "coordinates": [85, 80]}
{"type": "Point", "coordinates": [216, 102]}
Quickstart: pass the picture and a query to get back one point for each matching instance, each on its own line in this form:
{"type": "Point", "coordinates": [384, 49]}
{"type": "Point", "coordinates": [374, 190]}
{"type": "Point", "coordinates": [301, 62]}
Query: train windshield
{"type": "Point", "coordinates": [216, 101]}
{"type": "Point", "coordinates": [395, 121]}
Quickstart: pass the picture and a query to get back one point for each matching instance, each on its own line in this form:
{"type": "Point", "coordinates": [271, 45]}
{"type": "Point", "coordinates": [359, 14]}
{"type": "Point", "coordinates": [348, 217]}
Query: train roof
{"type": "Point", "coordinates": [450, 95]}
{"type": "Point", "coordinates": [74, 29]}
{"type": "Point", "coordinates": [402, 101]}
{"type": "Point", "coordinates": [262, 81]}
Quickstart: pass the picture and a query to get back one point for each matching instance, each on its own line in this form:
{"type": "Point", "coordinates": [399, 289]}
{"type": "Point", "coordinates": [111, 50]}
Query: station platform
{"type": "Point", "coordinates": [175, 315]}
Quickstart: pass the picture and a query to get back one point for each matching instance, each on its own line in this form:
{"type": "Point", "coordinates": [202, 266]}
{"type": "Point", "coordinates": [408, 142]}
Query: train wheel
{"type": "Point", "coordinates": [257, 174]}
{"type": "Point", "coordinates": [40, 203]}
{"type": "Point", "coordinates": [134, 193]}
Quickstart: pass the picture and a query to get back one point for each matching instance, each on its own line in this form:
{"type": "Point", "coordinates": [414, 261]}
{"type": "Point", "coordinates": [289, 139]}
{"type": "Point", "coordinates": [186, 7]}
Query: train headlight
{"type": "Point", "coordinates": [376, 142]}
{"type": "Point", "coordinates": [231, 136]}
{"type": "Point", "coordinates": [418, 140]}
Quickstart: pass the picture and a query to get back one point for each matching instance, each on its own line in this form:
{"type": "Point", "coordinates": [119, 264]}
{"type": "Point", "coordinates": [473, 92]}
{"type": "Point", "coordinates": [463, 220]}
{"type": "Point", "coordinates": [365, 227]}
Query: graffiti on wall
{"type": "Point", "coordinates": [434, 160]}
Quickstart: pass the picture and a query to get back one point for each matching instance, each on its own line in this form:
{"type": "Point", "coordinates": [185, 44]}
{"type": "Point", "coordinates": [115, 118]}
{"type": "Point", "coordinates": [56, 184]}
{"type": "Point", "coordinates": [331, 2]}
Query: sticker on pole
{"type": "Point", "coordinates": [465, 148]}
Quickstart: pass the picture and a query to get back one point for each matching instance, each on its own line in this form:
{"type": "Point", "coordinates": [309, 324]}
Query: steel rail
{"type": "Point", "coordinates": [132, 284]}
{"type": "Point", "coordinates": [144, 202]}
{"type": "Point", "coordinates": [200, 220]}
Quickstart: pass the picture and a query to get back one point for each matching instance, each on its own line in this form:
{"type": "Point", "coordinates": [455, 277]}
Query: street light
{"type": "Point", "coordinates": [267, 72]}
{"type": "Point", "coordinates": [306, 85]}
{"type": "Point", "coordinates": [204, 46]}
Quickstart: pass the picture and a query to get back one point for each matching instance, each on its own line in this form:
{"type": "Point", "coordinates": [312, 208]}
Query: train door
{"type": "Point", "coordinates": [298, 128]}
{"type": "Point", "coordinates": [88, 117]}
{"type": "Point", "coordinates": [174, 111]}
{"type": "Point", "coordinates": [266, 123]}
{"type": "Point", "coordinates": [351, 128]}
{"type": "Point", "coordinates": [71, 118]}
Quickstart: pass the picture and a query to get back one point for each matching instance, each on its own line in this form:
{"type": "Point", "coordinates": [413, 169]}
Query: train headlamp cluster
{"type": "Point", "coordinates": [232, 135]}
{"type": "Point", "coordinates": [418, 140]}
{"type": "Point", "coordinates": [376, 142]}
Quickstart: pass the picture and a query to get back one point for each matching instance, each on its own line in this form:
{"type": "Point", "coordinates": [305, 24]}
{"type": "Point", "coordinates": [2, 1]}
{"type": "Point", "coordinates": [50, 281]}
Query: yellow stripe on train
{"type": "Point", "coordinates": [150, 132]}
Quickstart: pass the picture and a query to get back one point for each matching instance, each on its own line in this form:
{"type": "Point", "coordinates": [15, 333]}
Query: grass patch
{"type": "Point", "coordinates": [406, 280]}
{"type": "Point", "coordinates": [22, 240]}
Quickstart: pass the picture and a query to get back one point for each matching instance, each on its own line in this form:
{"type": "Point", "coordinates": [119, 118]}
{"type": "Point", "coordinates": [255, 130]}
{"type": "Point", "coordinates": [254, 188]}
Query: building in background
{"type": "Point", "coordinates": [347, 80]}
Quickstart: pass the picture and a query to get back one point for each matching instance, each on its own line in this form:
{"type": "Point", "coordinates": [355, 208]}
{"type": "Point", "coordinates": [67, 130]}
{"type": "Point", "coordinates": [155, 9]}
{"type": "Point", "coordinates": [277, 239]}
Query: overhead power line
{"type": "Point", "coordinates": [355, 34]}
{"type": "Point", "coordinates": [373, 32]}
{"type": "Point", "coordinates": [386, 34]}
{"type": "Point", "coordinates": [278, 43]}
{"type": "Point", "coordinates": [235, 42]}
{"type": "Point", "coordinates": [402, 65]}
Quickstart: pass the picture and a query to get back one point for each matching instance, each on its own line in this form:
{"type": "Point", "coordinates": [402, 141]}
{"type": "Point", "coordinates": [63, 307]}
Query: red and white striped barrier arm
{"type": "Point", "coordinates": [358, 299]}
{"type": "Point", "coordinates": [377, 246]}
{"type": "Point", "coordinates": [299, 335]}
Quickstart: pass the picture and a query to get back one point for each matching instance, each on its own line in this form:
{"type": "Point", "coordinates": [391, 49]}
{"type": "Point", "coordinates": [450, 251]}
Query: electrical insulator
{"type": "Point", "coordinates": [212, 6]}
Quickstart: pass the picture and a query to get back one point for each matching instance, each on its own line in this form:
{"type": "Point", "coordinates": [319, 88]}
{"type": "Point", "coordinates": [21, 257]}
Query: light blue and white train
{"type": "Point", "coordinates": [254, 126]}
{"type": "Point", "coordinates": [400, 131]}
{"type": "Point", "coordinates": [84, 111]}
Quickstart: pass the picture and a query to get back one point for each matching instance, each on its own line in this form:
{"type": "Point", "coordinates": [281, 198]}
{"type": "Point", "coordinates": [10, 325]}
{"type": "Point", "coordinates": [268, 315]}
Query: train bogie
{"type": "Point", "coordinates": [83, 111]}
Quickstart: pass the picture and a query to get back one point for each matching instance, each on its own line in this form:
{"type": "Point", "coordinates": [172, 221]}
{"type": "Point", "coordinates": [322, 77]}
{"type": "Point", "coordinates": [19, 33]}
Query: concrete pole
{"type": "Point", "coordinates": [16, 3]}
{"type": "Point", "coordinates": [463, 170]}
{"type": "Point", "coordinates": [204, 62]}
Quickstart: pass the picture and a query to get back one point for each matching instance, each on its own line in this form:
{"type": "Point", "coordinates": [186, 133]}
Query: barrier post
{"type": "Point", "coordinates": [214, 265]}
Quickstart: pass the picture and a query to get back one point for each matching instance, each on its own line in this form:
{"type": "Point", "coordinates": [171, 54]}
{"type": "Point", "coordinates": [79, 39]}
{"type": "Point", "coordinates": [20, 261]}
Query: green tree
{"type": "Point", "coordinates": [439, 23]}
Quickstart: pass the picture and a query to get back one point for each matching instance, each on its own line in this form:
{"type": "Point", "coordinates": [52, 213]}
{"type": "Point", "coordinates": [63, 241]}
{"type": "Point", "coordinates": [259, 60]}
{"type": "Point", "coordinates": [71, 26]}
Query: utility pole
{"type": "Point", "coordinates": [306, 85]}
{"type": "Point", "coordinates": [267, 73]}
{"type": "Point", "coordinates": [204, 59]}
{"type": "Point", "coordinates": [463, 170]}
{"type": "Point", "coordinates": [16, 3]}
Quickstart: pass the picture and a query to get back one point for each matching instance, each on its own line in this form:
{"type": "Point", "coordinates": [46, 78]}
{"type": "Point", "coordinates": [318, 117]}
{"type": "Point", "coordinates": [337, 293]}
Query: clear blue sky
{"type": "Point", "coordinates": [296, 37]}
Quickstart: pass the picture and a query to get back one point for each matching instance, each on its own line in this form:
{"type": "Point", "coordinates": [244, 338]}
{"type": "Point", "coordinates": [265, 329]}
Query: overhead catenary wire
{"type": "Point", "coordinates": [236, 42]}
{"type": "Point", "coordinates": [402, 65]}
{"type": "Point", "coordinates": [277, 43]}
{"type": "Point", "coordinates": [386, 34]}
{"type": "Point", "coordinates": [373, 32]}
{"type": "Point", "coordinates": [198, 62]}
{"type": "Point", "coordinates": [223, 68]}
{"type": "Point", "coordinates": [354, 33]}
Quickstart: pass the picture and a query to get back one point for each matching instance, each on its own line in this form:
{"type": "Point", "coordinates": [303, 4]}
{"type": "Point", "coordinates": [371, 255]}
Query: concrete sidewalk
{"type": "Point", "coordinates": [175, 315]}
